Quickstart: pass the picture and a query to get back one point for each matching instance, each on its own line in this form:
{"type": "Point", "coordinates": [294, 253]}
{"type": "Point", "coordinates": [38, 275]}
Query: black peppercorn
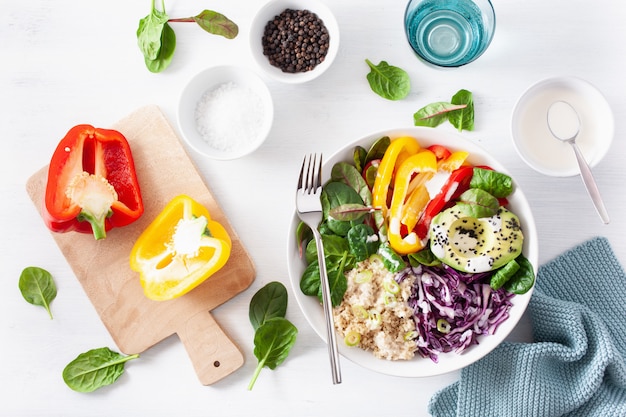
{"type": "Point", "coordinates": [295, 41]}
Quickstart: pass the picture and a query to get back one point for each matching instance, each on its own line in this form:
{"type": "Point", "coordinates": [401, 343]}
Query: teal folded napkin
{"type": "Point", "coordinates": [575, 365]}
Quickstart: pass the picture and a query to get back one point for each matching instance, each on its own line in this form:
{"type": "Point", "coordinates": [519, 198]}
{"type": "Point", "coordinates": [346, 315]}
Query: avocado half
{"type": "Point", "coordinates": [474, 245]}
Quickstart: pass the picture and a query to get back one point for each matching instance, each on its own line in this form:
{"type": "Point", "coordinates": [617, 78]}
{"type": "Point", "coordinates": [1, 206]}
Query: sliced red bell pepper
{"type": "Point", "coordinates": [457, 183]}
{"type": "Point", "coordinates": [440, 151]}
{"type": "Point", "coordinates": [92, 185]}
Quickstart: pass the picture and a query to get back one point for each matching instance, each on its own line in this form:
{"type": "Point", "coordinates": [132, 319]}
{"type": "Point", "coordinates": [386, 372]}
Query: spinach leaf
{"type": "Point", "coordinates": [337, 281]}
{"type": "Point", "coordinates": [272, 343]}
{"type": "Point", "coordinates": [304, 234]}
{"type": "Point", "coordinates": [310, 281]}
{"type": "Point", "coordinates": [150, 32]}
{"type": "Point", "coordinates": [359, 157]}
{"type": "Point", "coordinates": [524, 278]}
{"type": "Point", "coordinates": [478, 203]}
{"type": "Point", "coordinates": [95, 369]}
{"type": "Point", "coordinates": [349, 175]}
{"type": "Point", "coordinates": [350, 212]}
{"type": "Point", "coordinates": [216, 24]}
{"type": "Point", "coordinates": [335, 194]}
{"type": "Point", "coordinates": [378, 148]}
{"type": "Point", "coordinates": [363, 241]}
{"type": "Point", "coordinates": [434, 114]}
{"type": "Point", "coordinates": [37, 287]}
{"type": "Point", "coordinates": [391, 260]}
{"type": "Point", "coordinates": [423, 257]}
{"type": "Point", "coordinates": [166, 53]}
{"type": "Point", "coordinates": [463, 118]}
{"type": "Point", "coordinates": [157, 41]}
{"type": "Point", "coordinates": [459, 112]}
{"type": "Point", "coordinates": [387, 81]}
{"type": "Point", "coordinates": [496, 183]}
{"type": "Point", "coordinates": [269, 302]}
{"type": "Point", "coordinates": [503, 274]}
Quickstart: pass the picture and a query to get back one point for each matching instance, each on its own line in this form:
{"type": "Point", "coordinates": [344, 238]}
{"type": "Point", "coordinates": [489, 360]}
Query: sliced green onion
{"type": "Point", "coordinates": [363, 276]}
{"type": "Point", "coordinates": [353, 338]}
{"type": "Point", "coordinates": [374, 318]}
{"type": "Point", "coordinates": [390, 299]}
{"type": "Point", "coordinates": [375, 258]}
{"type": "Point", "coordinates": [443, 326]}
{"type": "Point", "coordinates": [391, 286]}
{"type": "Point", "coordinates": [410, 335]}
{"type": "Point", "coordinates": [360, 311]}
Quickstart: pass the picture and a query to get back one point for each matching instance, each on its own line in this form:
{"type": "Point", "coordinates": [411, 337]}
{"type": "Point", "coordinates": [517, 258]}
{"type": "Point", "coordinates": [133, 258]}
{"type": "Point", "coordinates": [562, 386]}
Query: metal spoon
{"type": "Point", "coordinates": [564, 124]}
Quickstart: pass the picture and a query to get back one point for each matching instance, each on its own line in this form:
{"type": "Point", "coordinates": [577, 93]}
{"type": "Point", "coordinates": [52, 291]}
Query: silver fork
{"type": "Point", "coordinates": [309, 208]}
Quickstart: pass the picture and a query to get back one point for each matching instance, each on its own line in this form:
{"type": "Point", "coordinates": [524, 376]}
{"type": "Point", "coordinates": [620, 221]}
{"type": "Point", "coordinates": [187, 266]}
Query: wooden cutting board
{"type": "Point", "coordinates": [135, 322]}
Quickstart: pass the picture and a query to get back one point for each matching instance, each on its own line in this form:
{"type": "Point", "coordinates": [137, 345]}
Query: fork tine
{"type": "Point", "coordinates": [301, 179]}
{"type": "Point", "coordinates": [309, 174]}
{"type": "Point", "coordinates": [318, 173]}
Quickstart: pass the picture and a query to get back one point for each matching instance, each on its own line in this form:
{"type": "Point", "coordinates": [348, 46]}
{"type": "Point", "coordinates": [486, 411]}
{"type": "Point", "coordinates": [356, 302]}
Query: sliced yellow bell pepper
{"type": "Point", "coordinates": [424, 164]}
{"type": "Point", "coordinates": [454, 161]}
{"type": "Point", "coordinates": [386, 169]}
{"type": "Point", "coordinates": [180, 249]}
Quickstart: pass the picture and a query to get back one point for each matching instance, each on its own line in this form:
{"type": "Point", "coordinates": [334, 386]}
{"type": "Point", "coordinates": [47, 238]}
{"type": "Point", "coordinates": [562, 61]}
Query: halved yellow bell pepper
{"type": "Point", "coordinates": [405, 211]}
{"type": "Point", "coordinates": [386, 169]}
{"type": "Point", "coordinates": [180, 249]}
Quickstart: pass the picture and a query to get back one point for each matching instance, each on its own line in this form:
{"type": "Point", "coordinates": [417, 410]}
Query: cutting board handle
{"type": "Point", "coordinates": [213, 354]}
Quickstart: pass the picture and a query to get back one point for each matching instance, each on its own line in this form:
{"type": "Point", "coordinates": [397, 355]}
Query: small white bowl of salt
{"type": "Point", "coordinates": [225, 112]}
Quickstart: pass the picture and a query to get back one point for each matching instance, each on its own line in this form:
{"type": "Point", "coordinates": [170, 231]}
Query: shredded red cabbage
{"type": "Point", "coordinates": [465, 301]}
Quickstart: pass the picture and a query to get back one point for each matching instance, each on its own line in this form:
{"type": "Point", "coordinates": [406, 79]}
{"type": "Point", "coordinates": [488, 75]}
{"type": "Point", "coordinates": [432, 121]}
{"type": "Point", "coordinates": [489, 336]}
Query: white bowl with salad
{"type": "Point", "coordinates": [433, 248]}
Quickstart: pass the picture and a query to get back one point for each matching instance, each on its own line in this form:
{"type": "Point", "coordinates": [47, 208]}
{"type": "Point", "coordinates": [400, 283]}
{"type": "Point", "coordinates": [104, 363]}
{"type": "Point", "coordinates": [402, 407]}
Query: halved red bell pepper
{"type": "Point", "coordinates": [92, 185]}
{"type": "Point", "coordinates": [457, 183]}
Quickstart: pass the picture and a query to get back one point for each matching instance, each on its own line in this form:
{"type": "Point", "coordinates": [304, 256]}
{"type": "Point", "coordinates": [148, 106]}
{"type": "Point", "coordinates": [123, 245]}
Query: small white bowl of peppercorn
{"type": "Point", "coordinates": [294, 41]}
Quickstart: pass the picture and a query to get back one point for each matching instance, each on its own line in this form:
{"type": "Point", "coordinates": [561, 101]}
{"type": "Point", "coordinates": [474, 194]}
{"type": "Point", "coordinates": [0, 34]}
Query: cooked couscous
{"type": "Point", "coordinates": [374, 314]}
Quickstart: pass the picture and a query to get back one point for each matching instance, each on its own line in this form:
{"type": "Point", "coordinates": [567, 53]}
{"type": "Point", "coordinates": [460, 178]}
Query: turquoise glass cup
{"type": "Point", "coordinates": [449, 33]}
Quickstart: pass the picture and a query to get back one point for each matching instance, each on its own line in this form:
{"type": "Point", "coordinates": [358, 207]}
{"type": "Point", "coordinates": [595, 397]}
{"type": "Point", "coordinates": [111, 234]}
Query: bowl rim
{"type": "Point", "coordinates": [572, 83]}
{"type": "Point", "coordinates": [211, 77]}
{"type": "Point", "coordinates": [274, 7]}
{"type": "Point", "coordinates": [418, 366]}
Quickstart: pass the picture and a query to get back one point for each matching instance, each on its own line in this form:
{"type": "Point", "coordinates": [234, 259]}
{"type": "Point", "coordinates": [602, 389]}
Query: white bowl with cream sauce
{"type": "Point", "coordinates": [534, 141]}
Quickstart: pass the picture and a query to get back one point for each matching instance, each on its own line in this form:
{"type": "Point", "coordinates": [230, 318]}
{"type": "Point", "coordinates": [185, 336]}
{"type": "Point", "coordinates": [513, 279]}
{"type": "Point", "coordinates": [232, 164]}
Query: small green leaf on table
{"type": "Point", "coordinates": [37, 287]}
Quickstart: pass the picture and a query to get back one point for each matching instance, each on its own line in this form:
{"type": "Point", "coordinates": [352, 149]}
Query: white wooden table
{"type": "Point", "coordinates": [69, 62]}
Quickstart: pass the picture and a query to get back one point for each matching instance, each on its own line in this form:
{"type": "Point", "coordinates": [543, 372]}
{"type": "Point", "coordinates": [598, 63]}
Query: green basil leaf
{"type": "Point", "coordinates": [95, 369]}
{"type": "Point", "coordinates": [37, 287]}
{"type": "Point", "coordinates": [495, 183]}
{"type": "Point", "coordinates": [217, 24]}
{"type": "Point", "coordinates": [462, 119]}
{"type": "Point", "coordinates": [166, 53]}
{"type": "Point", "coordinates": [387, 81]}
{"type": "Point", "coordinates": [272, 343]}
{"type": "Point", "coordinates": [478, 203]}
{"type": "Point", "coordinates": [269, 302]}
{"type": "Point", "coordinates": [434, 114]}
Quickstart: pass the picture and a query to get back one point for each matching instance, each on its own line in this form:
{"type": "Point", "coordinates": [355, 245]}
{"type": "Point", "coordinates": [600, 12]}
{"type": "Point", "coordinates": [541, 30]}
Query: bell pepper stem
{"type": "Point", "coordinates": [97, 223]}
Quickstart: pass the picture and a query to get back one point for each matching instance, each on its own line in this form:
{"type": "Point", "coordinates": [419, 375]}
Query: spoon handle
{"type": "Point", "coordinates": [590, 184]}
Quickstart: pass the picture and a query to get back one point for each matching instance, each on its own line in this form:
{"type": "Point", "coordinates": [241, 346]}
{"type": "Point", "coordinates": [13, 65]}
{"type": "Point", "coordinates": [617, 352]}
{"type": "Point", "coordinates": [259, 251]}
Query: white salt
{"type": "Point", "coordinates": [230, 117]}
